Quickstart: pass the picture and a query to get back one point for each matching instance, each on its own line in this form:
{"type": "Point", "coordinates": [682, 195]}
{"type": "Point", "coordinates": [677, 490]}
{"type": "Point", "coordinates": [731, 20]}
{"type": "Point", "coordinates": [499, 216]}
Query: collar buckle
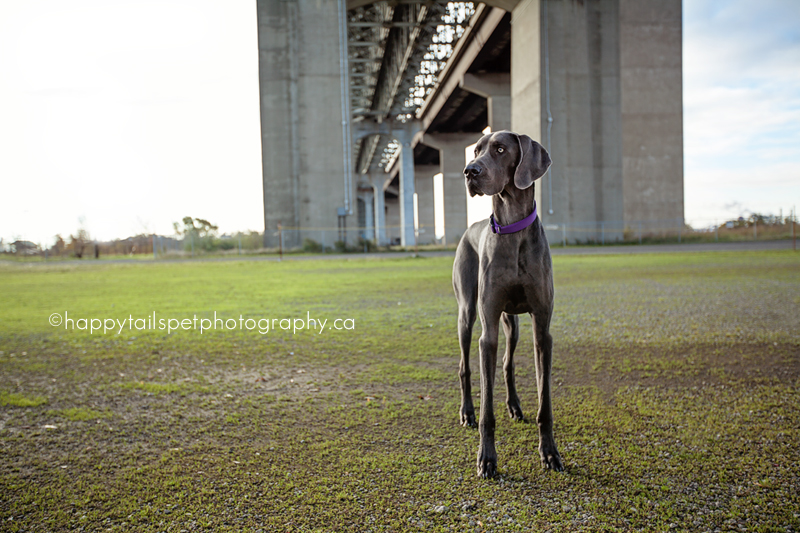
{"type": "Point", "coordinates": [496, 228]}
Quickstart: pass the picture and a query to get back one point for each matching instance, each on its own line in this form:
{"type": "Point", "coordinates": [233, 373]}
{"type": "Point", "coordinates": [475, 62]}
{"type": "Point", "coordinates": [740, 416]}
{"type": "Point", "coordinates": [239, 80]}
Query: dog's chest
{"type": "Point", "coordinates": [513, 279]}
{"type": "Point", "coordinates": [519, 265]}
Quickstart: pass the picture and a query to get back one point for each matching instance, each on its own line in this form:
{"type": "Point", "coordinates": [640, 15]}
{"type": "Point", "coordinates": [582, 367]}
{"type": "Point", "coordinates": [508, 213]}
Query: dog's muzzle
{"type": "Point", "coordinates": [471, 174]}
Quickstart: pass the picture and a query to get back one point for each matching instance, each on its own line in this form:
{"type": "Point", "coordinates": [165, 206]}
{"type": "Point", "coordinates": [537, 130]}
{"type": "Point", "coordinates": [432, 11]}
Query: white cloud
{"type": "Point", "coordinates": [741, 107]}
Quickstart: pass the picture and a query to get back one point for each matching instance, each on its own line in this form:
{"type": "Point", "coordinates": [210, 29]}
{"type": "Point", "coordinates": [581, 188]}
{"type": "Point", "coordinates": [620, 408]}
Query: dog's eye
{"type": "Point", "coordinates": [500, 150]}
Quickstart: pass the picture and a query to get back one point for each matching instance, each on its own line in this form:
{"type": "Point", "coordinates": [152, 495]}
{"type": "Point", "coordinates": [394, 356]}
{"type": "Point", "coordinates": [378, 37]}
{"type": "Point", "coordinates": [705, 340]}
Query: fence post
{"type": "Point", "coordinates": [280, 240]}
{"type": "Point", "coordinates": [716, 231]}
{"type": "Point", "coordinates": [640, 232]}
{"type": "Point", "coordinates": [755, 230]}
{"type": "Point", "coordinates": [240, 244]}
{"type": "Point", "coordinates": [680, 229]}
{"type": "Point", "coordinates": [564, 235]}
{"type": "Point", "coordinates": [603, 233]}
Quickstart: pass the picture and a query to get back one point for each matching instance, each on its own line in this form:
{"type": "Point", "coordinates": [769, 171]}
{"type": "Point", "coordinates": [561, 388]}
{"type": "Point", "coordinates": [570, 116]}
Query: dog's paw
{"type": "Point", "coordinates": [487, 464]}
{"type": "Point", "coordinates": [468, 419]}
{"type": "Point", "coordinates": [551, 459]}
{"type": "Point", "coordinates": [515, 411]}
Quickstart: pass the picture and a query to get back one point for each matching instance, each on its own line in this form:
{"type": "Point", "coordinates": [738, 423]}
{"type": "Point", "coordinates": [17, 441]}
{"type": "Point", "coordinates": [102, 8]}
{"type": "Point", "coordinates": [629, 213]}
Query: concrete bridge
{"type": "Point", "coordinates": [362, 103]}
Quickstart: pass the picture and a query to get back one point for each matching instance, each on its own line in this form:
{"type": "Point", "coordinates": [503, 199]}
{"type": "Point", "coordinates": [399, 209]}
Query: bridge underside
{"type": "Point", "coordinates": [363, 103]}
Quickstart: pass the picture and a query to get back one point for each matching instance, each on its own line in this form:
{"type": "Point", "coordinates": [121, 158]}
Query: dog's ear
{"type": "Point", "coordinates": [533, 162]}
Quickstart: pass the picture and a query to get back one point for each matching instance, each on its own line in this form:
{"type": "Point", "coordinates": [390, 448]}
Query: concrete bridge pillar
{"type": "Point", "coordinates": [451, 148]}
{"type": "Point", "coordinates": [377, 181]}
{"type": "Point", "coordinates": [405, 134]}
{"type": "Point", "coordinates": [526, 94]}
{"type": "Point", "coordinates": [423, 177]}
{"type": "Point", "coordinates": [301, 116]}
{"type": "Point", "coordinates": [366, 195]}
{"type": "Point", "coordinates": [496, 88]}
{"type": "Point", "coordinates": [392, 219]}
{"type": "Point", "coordinates": [599, 84]}
{"type": "Point", "coordinates": [650, 37]}
{"type": "Point", "coordinates": [407, 237]}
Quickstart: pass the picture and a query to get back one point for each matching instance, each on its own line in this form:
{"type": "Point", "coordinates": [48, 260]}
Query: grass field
{"type": "Point", "coordinates": [676, 399]}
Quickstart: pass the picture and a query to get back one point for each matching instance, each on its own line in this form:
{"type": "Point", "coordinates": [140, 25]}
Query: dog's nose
{"type": "Point", "coordinates": [472, 170]}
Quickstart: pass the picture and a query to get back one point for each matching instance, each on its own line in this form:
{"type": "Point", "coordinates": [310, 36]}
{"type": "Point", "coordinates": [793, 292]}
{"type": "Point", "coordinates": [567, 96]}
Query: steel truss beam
{"type": "Point", "coordinates": [395, 53]}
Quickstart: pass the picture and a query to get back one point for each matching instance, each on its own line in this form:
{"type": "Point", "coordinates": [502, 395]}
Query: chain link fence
{"type": "Point", "coordinates": [670, 231]}
{"type": "Point", "coordinates": [345, 239]}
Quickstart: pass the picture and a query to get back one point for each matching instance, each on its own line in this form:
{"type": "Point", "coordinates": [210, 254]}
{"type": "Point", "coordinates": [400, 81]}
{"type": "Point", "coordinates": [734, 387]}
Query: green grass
{"type": "Point", "coordinates": [18, 400]}
{"type": "Point", "coordinates": [157, 388]}
{"type": "Point", "coordinates": [676, 394]}
{"type": "Point", "coordinates": [78, 414]}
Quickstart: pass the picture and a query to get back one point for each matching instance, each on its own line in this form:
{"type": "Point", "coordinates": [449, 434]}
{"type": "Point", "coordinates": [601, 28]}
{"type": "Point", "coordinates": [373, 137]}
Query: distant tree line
{"type": "Point", "coordinates": [198, 235]}
{"type": "Point", "coordinates": [192, 235]}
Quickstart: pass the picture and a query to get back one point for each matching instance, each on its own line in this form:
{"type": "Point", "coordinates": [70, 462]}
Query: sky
{"type": "Point", "coordinates": [741, 103]}
{"type": "Point", "coordinates": [129, 116]}
{"type": "Point", "coordinates": [126, 116]}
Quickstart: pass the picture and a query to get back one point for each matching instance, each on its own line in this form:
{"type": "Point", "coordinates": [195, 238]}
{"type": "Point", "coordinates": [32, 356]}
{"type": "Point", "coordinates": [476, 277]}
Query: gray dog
{"type": "Point", "coordinates": [502, 268]}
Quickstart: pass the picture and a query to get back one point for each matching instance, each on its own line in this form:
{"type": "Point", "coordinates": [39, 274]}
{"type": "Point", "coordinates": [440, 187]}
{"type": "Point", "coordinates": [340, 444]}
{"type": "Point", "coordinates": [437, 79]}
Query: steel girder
{"type": "Point", "coordinates": [395, 52]}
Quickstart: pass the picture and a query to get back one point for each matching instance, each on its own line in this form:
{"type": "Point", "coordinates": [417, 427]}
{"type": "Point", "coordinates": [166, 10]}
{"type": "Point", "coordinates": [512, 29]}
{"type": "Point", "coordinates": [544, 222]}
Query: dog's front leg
{"type": "Point", "coordinates": [487, 454]}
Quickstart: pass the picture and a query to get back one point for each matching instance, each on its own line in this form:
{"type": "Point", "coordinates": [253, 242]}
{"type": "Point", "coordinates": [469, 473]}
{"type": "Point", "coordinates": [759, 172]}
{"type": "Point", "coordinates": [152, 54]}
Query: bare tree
{"type": "Point", "coordinates": [59, 246]}
{"type": "Point", "coordinates": [79, 242]}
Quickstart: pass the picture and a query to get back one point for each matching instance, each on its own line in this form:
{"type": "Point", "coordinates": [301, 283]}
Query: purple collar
{"type": "Point", "coordinates": [512, 228]}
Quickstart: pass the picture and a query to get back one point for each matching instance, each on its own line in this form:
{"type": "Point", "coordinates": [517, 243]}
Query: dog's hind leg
{"type": "Point", "coordinates": [543, 347]}
{"type": "Point", "coordinates": [511, 329]}
{"type": "Point", "coordinates": [466, 319]}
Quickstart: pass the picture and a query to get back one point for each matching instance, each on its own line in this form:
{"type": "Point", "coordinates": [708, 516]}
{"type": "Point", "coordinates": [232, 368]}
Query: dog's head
{"type": "Point", "coordinates": [504, 159]}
